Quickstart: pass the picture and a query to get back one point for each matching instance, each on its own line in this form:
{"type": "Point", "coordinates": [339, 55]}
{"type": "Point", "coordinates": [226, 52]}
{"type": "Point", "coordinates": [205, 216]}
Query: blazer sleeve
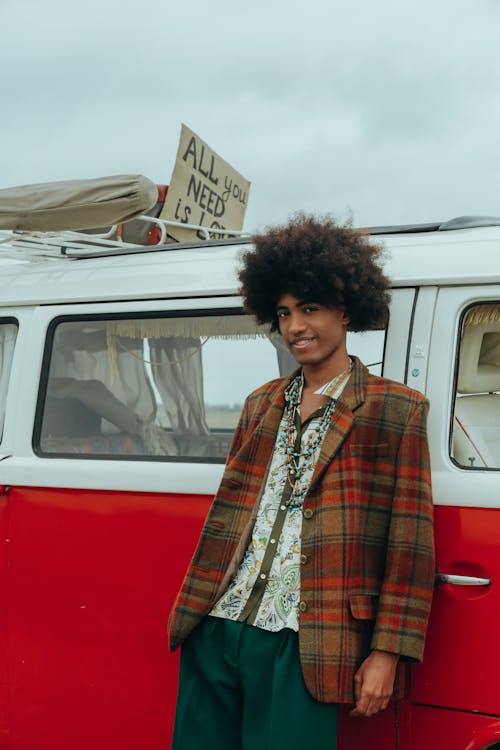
{"type": "Point", "coordinates": [408, 583]}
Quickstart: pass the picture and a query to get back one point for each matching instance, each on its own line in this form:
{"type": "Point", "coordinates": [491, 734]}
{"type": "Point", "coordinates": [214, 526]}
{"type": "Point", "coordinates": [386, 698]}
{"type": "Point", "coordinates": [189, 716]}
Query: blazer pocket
{"type": "Point", "coordinates": [363, 606]}
{"type": "Point", "coordinates": [377, 450]}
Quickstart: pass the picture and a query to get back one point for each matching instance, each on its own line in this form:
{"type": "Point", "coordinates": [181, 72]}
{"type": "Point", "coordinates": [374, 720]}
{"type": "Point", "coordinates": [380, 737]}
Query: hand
{"type": "Point", "coordinates": [374, 683]}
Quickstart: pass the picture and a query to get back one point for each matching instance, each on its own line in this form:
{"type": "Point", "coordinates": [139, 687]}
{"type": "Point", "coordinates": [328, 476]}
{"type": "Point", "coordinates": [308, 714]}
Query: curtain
{"type": "Point", "coordinates": [82, 354]}
{"type": "Point", "coordinates": [176, 365]}
{"type": "Point", "coordinates": [286, 363]}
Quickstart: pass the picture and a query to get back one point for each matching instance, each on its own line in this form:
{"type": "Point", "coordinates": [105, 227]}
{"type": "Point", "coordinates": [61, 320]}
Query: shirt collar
{"type": "Point", "coordinates": [333, 389]}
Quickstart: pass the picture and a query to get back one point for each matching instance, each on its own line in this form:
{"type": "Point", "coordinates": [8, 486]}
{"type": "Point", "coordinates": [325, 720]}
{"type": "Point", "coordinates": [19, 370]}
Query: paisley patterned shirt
{"type": "Point", "coordinates": [266, 589]}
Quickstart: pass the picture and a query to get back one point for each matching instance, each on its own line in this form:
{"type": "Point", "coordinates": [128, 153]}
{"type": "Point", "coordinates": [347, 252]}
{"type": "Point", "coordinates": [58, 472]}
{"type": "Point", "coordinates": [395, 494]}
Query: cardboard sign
{"type": "Point", "coordinates": [204, 190]}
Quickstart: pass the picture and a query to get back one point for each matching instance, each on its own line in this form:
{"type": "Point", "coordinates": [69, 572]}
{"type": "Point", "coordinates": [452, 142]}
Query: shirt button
{"type": "Point", "coordinates": [282, 507]}
{"type": "Point", "coordinates": [263, 576]}
{"type": "Point", "coordinates": [308, 513]}
{"type": "Point", "coordinates": [273, 541]}
{"type": "Point", "coordinates": [302, 606]}
{"type": "Point", "coordinates": [303, 559]}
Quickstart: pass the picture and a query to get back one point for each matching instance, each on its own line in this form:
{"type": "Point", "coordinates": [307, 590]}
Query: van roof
{"type": "Point", "coordinates": [415, 255]}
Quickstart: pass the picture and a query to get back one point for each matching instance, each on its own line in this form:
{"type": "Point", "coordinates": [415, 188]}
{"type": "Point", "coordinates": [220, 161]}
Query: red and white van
{"type": "Point", "coordinates": [122, 375]}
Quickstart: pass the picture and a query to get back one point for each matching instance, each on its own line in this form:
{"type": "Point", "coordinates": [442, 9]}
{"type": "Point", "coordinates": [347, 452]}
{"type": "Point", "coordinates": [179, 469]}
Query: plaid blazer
{"type": "Point", "coordinates": [367, 533]}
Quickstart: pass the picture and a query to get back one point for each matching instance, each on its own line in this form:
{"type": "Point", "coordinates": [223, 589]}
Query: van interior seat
{"type": "Point", "coordinates": [476, 433]}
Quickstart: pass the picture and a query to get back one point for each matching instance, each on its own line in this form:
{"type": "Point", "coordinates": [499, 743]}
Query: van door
{"type": "Point", "coordinates": [462, 660]}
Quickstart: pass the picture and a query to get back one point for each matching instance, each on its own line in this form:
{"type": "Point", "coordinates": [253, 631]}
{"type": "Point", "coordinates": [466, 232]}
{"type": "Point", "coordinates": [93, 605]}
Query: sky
{"type": "Point", "coordinates": [383, 112]}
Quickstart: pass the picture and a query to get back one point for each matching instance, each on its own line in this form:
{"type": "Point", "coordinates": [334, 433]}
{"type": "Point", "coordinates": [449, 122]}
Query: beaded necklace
{"type": "Point", "coordinates": [295, 467]}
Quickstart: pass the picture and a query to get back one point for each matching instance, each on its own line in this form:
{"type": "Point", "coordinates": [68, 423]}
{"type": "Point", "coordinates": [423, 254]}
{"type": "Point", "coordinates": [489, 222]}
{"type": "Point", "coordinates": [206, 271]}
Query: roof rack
{"type": "Point", "coordinates": [403, 229]}
{"type": "Point", "coordinates": [468, 222]}
{"type": "Point", "coordinates": [460, 222]}
{"type": "Point", "coordinates": [72, 244]}
{"type": "Point", "coordinates": [82, 245]}
{"type": "Point", "coordinates": [129, 249]}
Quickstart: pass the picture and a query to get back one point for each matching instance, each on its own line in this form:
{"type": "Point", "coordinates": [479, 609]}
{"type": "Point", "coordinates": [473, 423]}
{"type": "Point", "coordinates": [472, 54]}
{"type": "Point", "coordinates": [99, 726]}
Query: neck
{"type": "Point", "coordinates": [317, 375]}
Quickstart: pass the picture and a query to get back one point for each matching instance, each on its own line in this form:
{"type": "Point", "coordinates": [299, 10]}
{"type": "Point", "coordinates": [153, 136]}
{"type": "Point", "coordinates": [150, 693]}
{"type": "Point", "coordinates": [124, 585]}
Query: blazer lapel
{"type": "Point", "coordinates": [262, 440]}
{"type": "Point", "coordinates": [352, 397]}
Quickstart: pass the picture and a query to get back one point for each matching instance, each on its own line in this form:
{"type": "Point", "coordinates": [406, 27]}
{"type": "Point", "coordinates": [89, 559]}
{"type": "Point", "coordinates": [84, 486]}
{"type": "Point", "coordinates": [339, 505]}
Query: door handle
{"type": "Point", "coordinates": [461, 580]}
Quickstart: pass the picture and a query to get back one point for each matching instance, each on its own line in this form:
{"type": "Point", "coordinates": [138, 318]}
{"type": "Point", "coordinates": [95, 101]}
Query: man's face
{"type": "Point", "coordinates": [315, 334]}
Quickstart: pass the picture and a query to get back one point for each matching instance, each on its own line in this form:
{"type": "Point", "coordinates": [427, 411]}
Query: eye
{"type": "Point", "coordinates": [311, 308]}
{"type": "Point", "coordinates": [282, 313]}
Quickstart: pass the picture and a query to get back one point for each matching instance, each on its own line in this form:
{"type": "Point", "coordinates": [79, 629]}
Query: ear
{"type": "Point", "coordinates": [345, 320]}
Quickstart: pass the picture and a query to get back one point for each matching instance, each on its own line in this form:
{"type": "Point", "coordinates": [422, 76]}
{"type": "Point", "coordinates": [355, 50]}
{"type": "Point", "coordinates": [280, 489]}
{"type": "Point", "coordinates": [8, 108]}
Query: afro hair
{"type": "Point", "coordinates": [316, 261]}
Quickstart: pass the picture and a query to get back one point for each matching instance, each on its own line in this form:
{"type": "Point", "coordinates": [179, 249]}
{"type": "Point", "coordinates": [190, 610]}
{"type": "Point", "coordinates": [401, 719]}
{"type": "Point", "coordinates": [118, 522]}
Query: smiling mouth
{"type": "Point", "coordinates": [301, 343]}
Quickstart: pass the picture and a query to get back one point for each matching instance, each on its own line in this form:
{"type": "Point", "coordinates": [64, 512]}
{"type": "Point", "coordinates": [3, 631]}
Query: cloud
{"type": "Point", "coordinates": [385, 109]}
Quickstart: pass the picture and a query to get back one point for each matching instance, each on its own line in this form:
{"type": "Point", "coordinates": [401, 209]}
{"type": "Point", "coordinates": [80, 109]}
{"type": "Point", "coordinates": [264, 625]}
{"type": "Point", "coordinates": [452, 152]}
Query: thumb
{"type": "Point", "coordinates": [358, 681]}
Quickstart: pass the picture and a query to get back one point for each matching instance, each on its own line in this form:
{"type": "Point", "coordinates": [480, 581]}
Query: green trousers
{"type": "Point", "coordinates": [241, 688]}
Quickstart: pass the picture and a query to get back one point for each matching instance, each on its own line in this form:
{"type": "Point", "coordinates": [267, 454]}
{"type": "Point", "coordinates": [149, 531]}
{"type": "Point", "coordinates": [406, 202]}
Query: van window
{"type": "Point", "coordinates": [8, 335]}
{"type": "Point", "coordinates": [476, 421]}
{"type": "Point", "coordinates": [166, 387]}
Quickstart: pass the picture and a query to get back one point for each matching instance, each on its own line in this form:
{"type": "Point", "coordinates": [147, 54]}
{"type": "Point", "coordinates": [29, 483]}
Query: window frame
{"type": "Point", "coordinates": [152, 309]}
{"type": "Point", "coordinates": [8, 320]}
{"type": "Point", "coordinates": [456, 364]}
{"type": "Point", "coordinates": [104, 316]}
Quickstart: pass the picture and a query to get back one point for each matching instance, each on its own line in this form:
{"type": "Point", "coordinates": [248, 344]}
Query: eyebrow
{"type": "Point", "coordinates": [300, 303]}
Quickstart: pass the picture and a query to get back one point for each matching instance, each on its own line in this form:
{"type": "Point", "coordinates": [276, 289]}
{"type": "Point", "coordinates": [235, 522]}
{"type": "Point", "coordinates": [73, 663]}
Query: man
{"type": "Point", "coordinates": [314, 572]}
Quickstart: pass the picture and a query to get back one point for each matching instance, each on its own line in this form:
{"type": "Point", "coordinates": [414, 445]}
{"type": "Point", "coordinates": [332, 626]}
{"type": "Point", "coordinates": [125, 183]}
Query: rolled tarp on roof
{"type": "Point", "coordinates": [76, 204]}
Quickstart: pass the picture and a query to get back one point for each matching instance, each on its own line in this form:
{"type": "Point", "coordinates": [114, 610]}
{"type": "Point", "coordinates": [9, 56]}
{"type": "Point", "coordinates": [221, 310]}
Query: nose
{"type": "Point", "coordinates": [295, 323]}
